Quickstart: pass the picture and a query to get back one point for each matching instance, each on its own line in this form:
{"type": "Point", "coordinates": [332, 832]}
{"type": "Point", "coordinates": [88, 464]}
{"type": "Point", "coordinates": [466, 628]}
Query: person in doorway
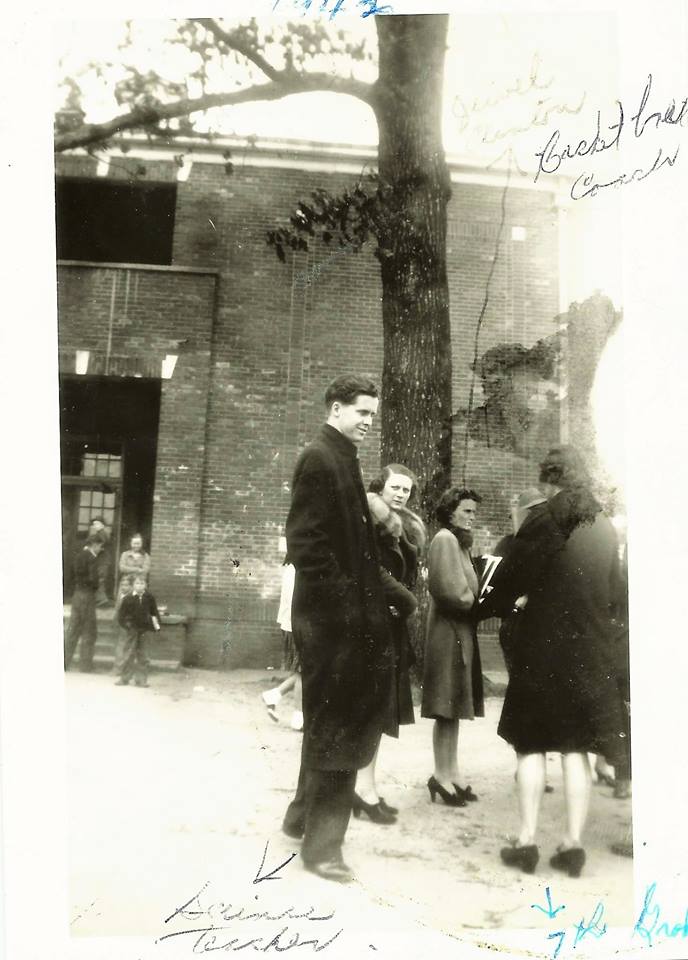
{"type": "Point", "coordinates": [97, 525]}
{"type": "Point", "coordinates": [132, 562]}
{"type": "Point", "coordinates": [401, 537]}
{"type": "Point", "coordinates": [452, 677]}
{"type": "Point", "coordinates": [138, 615]}
{"type": "Point", "coordinates": [82, 621]}
{"type": "Point", "coordinates": [340, 621]}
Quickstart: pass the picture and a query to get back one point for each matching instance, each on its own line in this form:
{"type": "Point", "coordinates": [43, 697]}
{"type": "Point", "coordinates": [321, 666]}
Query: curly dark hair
{"type": "Point", "coordinates": [449, 501]}
{"type": "Point", "coordinates": [346, 388]}
{"type": "Point", "coordinates": [564, 467]}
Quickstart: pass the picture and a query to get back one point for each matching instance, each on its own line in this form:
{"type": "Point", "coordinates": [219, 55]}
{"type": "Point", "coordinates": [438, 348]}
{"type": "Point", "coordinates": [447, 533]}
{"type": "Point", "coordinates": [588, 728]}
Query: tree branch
{"type": "Point", "coordinates": [138, 117]}
{"type": "Point", "coordinates": [234, 43]}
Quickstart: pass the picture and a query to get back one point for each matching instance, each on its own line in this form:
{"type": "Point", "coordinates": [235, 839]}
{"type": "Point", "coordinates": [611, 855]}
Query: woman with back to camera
{"type": "Point", "coordinates": [401, 537]}
{"type": "Point", "coordinates": [562, 695]}
{"type": "Point", "coordinates": [452, 676]}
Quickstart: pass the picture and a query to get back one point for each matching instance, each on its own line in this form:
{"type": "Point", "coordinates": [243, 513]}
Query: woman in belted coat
{"type": "Point", "coordinates": [401, 537]}
{"type": "Point", "coordinates": [452, 677]}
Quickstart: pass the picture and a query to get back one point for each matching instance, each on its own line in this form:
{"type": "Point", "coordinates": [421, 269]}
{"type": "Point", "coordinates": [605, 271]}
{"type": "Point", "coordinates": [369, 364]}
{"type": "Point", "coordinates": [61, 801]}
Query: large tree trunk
{"type": "Point", "coordinates": [416, 379]}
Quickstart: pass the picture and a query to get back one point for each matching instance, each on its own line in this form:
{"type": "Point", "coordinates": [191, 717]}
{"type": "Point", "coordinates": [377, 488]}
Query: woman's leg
{"type": "Point", "coordinates": [577, 780]}
{"type": "Point", "coordinates": [530, 784]}
{"type": "Point", "coordinates": [366, 787]}
{"type": "Point", "coordinates": [445, 734]}
{"type": "Point", "coordinates": [287, 684]}
{"type": "Point", "coordinates": [273, 696]}
{"type": "Point", "coordinates": [297, 715]}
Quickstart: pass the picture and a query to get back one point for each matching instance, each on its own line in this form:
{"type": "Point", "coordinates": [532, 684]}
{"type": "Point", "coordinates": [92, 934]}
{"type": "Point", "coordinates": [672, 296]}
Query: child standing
{"type": "Point", "coordinates": [138, 614]}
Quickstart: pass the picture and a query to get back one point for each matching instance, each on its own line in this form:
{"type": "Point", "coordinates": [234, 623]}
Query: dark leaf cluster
{"type": "Point", "coordinates": [372, 210]}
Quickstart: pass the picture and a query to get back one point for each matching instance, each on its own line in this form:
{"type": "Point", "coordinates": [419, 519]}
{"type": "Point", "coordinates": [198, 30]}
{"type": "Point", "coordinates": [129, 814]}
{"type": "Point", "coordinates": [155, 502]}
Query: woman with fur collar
{"type": "Point", "coordinates": [401, 538]}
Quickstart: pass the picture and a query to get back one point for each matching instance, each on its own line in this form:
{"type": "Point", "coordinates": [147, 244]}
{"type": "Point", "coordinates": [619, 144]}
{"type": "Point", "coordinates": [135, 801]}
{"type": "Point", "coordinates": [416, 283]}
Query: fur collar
{"type": "Point", "coordinates": [384, 517]}
{"type": "Point", "coordinates": [396, 522]}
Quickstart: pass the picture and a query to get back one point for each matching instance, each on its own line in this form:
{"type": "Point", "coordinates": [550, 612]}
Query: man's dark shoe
{"type": "Point", "coordinates": [335, 870]}
{"type": "Point", "coordinates": [293, 831]}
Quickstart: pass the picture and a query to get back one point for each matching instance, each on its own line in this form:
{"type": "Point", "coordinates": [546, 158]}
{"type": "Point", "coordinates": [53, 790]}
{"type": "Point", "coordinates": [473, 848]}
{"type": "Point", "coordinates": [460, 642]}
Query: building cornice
{"type": "Point", "coordinates": [306, 155]}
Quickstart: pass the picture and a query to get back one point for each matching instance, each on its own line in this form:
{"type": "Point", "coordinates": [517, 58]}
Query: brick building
{"type": "Point", "coordinates": [193, 363]}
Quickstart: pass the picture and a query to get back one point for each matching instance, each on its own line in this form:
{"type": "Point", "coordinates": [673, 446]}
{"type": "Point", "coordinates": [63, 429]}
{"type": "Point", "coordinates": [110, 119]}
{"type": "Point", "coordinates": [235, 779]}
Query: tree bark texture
{"type": "Point", "coordinates": [416, 379]}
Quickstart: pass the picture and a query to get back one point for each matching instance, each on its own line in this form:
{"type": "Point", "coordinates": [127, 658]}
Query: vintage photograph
{"type": "Point", "coordinates": [343, 454]}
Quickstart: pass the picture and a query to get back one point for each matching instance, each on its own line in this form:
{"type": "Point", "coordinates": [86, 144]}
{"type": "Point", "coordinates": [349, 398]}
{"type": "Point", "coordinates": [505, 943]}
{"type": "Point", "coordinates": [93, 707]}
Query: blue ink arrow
{"type": "Point", "coordinates": [549, 910]}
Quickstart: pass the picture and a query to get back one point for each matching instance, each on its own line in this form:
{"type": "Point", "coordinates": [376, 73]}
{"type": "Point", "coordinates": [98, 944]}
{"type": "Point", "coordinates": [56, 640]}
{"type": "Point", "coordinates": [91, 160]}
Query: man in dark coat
{"type": "Point", "coordinates": [340, 623]}
{"type": "Point", "coordinates": [82, 622]}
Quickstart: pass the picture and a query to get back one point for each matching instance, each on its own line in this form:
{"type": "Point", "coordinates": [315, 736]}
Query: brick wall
{"type": "Point", "coordinates": [265, 338]}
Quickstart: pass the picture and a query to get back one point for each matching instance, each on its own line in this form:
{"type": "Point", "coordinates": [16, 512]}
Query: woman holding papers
{"type": "Point", "coordinates": [562, 695]}
{"type": "Point", "coordinates": [452, 679]}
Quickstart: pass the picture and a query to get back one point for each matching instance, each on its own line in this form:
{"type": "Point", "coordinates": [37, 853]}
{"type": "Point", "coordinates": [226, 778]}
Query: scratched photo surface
{"type": "Point", "coordinates": [245, 208]}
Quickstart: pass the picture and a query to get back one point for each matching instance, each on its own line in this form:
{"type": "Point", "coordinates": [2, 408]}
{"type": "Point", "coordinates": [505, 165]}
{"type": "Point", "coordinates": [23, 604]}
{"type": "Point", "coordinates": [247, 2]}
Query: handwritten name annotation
{"type": "Point", "coordinates": [555, 154]}
{"type": "Point", "coordinates": [539, 107]}
{"type": "Point", "coordinates": [367, 8]}
{"type": "Point", "coordinates": [650, 925]}
{"type": "Point", "coordinates": [231, 927]}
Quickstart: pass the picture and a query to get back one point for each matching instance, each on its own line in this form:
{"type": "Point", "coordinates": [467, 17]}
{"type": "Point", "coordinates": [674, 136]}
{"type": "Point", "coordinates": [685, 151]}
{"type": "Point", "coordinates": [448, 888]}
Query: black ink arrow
{"type": "Point", "coordinates": [271, 875]}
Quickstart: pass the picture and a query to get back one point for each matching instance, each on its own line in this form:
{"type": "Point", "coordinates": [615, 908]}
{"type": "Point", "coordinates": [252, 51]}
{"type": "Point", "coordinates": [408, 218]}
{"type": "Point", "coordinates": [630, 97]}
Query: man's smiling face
{"type": "Point", "coordinates": [354, 420]}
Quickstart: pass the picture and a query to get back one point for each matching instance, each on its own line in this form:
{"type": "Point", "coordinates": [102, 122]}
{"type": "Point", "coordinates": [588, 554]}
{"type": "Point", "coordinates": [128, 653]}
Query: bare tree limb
{"type": "Point", "coordinates": [232, 41]}
{"type": "Point", "coordinates": [138, 117]}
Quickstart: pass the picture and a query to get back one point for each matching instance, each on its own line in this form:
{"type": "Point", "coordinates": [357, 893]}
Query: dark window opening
{"type": "Point", "coordinates": [114, 221]}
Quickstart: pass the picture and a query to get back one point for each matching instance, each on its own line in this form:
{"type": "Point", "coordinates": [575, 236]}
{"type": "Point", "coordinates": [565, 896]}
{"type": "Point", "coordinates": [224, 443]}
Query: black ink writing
{"type": "Point", "coordinates": [669, 115]}
{"type": "Point", "coordinates": [552, 156]}
{"type": "Point", "coordinates": [585, 185]}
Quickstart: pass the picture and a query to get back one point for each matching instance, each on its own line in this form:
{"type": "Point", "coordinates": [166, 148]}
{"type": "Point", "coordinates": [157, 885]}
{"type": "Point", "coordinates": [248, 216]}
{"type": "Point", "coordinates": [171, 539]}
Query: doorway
{"type": "Point", "coordinates": [109, 435]}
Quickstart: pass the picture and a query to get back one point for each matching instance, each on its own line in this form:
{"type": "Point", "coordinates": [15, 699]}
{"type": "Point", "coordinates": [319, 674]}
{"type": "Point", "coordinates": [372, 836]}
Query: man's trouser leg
{"type": "Point", "coordinates": [89, 632]}
{"type": "Point", "coordinates": [329, 797]}
{"type": "Point", "coordinates": [81, 601]}
{"type": "Point", "coordinates": [294, 822]}
{"type": "Point", "coordinates": [141, 661]}
{"type": "Point", "coordinates": [126, 653]}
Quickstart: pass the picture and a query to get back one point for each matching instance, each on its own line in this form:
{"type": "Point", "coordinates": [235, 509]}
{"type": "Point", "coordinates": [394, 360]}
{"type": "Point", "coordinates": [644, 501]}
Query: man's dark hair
{"type": "Point", "coordinates": [346, 388]}
{"type": "Point", "coordinates": [564, 467]}
{"type": "Point", "coordinates": [449, 501]}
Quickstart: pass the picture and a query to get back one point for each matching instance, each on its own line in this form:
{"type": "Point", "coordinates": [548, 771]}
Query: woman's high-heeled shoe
{"type": "Point", "coordinates": [374, 810]}
{"type": "Point", "coordinates": [386, 807]}
{"type": "Point", "coordinates": [526, 858]}
{"type": "Point", "coordinates": [571, 860]}
{"type": "Point", "coordinates": [451, 799]}
{"type": "Point", "coordinates": [465, 792]}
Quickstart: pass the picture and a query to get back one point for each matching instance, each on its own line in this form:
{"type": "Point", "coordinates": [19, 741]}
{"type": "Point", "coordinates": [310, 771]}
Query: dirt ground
{"type": "Point", "coordinates": [177, 789]}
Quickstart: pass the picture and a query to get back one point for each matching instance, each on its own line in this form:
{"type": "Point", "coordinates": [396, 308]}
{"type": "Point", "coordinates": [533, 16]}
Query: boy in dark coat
{"type": "Point", "coordinates": [82, 622]}
{"type": "Point", "coordinates": [138, 614]}
{"type": "Point", "coordinates": [340, 622]}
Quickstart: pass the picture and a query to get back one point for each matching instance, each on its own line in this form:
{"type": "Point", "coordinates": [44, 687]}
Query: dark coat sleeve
{"type": "Point", "coordinates": [86, 570]}
{"type": "Point", "coordinates": [153, 607]}
{"type": "Point", "coordinates": [533, 547]}
{"type": "Point", "coordinates": [308, 526]}
{"type": "Point", "coordinates": [396, 594]}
